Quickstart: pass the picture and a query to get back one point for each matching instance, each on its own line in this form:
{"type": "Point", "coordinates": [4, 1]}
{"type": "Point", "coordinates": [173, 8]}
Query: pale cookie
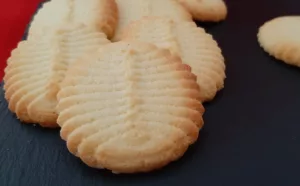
{"type": "Point", "coordinates": [101, 14]}
{"type": "Point", "coordinates": [130, 107]}
{"type": "Point", "coordinates": [36, 68]}
{"type": "Point", "coordinates": [206, 10]}
{"type": "Point", "coordinates": [280, 37]}
{"type": "Point", "coordinates": [196, 48]}
{"type": "Point", "coordinates": [132, 10]}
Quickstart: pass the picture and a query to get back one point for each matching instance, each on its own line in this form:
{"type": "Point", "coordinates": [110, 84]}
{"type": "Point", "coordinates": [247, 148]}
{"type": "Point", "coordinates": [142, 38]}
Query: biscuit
{"type": "Point", "coordinates": [101, 14]}
{"type": "Point", "coordinates": [280, 38]}
{"type": "Point", "coordinates": [130, 107]}
{"type": "Point", "coordinates": [132, 10]}
{"type": "Point", "coordinates": [206, 10]}
{"type": "Point", "coordinates": [37, 66]}
{"type": "Point", "coordinates": [196, 48]}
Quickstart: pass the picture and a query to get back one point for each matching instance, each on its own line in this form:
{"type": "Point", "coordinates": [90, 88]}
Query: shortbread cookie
{"type": "Point", "coordinates": [196, 48]}
{"type": "Point", "coordinates": [101, 14]}
{"type": "Point", "coordinates": [280, 38]}
{"type": "Point", "coordinates": [132, 10]}
{"type": "Point", "coordinates": [36, 68]}
{"type": "Point", "coordinates": [130, 107]}
{"type": "Point", "coordinates": [206, 10]}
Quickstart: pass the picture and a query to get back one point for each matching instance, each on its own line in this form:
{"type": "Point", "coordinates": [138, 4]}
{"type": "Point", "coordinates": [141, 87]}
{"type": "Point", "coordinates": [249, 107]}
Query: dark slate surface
{"type": "Point", "coordinates": [251, 135]}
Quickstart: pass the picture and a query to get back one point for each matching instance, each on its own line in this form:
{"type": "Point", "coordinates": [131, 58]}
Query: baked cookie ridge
{"type": "Point", "coordinates": [37, 67]}
{"type": "Point", "coordinates": [192, 44]}
{"type": "Point", "coordinates": [99, 14]}
{"type": "Point", "coordinates": [132, 10]}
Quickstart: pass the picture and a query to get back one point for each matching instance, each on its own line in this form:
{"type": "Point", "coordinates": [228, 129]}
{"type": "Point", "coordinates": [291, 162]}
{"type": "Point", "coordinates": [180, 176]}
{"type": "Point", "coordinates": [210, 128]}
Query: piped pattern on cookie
{"type": "Point", "coordinates": [100, 14]}
{"type": "Point", "coordinates": [132, 10]}
{"type": "Point", "coordinates": [130, 107]}
{"type": "Point", "coordinates": [37, 66]}
{"type": "Point", "coordinates": [196, 48]}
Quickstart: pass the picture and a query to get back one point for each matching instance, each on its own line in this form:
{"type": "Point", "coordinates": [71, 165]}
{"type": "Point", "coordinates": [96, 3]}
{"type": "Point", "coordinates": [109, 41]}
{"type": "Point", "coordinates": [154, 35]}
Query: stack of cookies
{"type": "Point", "coordinates": [124, 79]}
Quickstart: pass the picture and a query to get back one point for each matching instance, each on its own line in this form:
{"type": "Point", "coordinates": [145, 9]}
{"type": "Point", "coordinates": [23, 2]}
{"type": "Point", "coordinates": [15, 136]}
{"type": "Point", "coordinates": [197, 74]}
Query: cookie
{"type": "Point", "coordinates": [280, 38]}
{"type": "Point", "coordinates": [101, 14]}
{"type": "Point", "coordinates": [206, 10]}
{"type": "Point", "coordinates": [196, 48]}
{"type": "Point", "coordinates": [132, 10]}
{"type": "Point", "coordinates": [130, 107]}
{"type": "Point", "coordinates": [38, 65]}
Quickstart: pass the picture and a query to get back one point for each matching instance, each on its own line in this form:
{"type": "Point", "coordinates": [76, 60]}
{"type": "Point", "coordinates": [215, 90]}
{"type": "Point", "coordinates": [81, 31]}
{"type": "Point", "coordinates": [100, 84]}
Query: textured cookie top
{"type": "Point", "coordinates": [131, 10]}
{"type": "Point", "coordinates": [206, 10]}
{"type": "Point", "coordinates": [37, 66]}
{"type": "Point", "coordinates": [101, 14]}
{"type": "Point", "coordinates": [196, 48]}
{"type": "Point", "coordinates": [280, 37]}
{"type": "Point", "coordinates": [130, 107]}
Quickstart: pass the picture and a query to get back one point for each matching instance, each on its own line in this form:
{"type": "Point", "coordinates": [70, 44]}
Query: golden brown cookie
{"type": "Point", "coordinates": [280, 38]}
{"type": "Point", "coordinates": [196, 48]}
{"type": "Point", "coordinates": [101, 14]}
{"type": "Point", "coordinates": [132, 10]}
{"type": "Point", "coordinates": [130, 107]}
{"type": "Point", "coordinates": [206, 10]}
{"type": "Point", "coordinates": [37, 66]}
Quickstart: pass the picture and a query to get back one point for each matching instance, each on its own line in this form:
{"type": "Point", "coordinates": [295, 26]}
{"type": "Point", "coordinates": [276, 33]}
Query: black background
{"type": "Point", "coordinates": [251, 134]}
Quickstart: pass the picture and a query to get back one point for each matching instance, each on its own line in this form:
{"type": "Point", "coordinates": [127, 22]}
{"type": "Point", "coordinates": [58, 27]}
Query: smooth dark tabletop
{"type": "Point", "coordinates": [251, 135]}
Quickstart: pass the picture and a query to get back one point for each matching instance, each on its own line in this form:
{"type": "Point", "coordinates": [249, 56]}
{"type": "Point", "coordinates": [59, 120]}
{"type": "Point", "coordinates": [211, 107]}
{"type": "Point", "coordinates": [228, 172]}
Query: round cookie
{"type": "Point", "coordinates": [206, 10]}
{"type": "Point", "coordinates": [280, 37]}
{"type": "Point", "coordinates": [129, 107]}
{"type": "Point", "coordinates": [195, 47]}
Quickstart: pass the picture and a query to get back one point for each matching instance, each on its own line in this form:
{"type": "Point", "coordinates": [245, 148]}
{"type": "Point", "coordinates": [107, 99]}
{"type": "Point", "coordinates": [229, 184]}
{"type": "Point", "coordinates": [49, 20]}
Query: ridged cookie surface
{"type": "Point", "coordinates": [206, 10]}
{"type": "Point", "coordinates": [280, 37]}
{"type": "Point", "coordinates": [196, 48]}
{"type": "Point", "coordinates": [101, 14]}
{"type": "Point", "coordinates": [36, 68]}
{"type": "Point", "coordinates": [130, 107]}
{"type": "Point", "coordinates": [132, 10]}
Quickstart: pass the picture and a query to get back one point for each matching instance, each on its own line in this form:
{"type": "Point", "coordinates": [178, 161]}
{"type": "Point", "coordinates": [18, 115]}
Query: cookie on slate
{"type": "Point", "coordinates": [37, 66]}
{"type": "Point", "coordinates": [196, 48]}
{"type": "Point", "coordinates": [206, 10]}
{"type": "Point", "coordinates": [280, 38]}
{"type": "Point", "coordinates": [130, 107]}
{"type": "Point", "coordinates": [101, 14]}
{"type": "Point", "coordinates": [132, 10]}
